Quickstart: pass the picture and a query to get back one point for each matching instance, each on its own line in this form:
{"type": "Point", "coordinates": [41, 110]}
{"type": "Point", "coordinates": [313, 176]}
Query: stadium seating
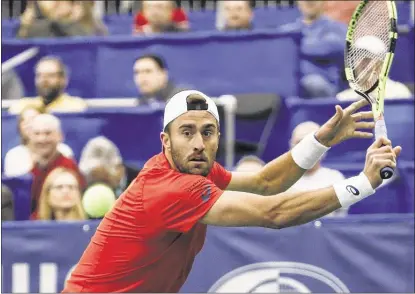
{"type": "Point", "coordinates": [198, 59]}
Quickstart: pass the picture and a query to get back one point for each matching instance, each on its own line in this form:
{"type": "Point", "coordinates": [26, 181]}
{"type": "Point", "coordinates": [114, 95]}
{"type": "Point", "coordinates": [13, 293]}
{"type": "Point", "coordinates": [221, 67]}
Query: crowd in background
{"type": "Point", "coordinates": [59, 181]}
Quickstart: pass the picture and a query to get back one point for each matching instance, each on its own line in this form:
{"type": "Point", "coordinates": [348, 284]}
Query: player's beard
{"type": "Point", "coordinates": [180, 161]}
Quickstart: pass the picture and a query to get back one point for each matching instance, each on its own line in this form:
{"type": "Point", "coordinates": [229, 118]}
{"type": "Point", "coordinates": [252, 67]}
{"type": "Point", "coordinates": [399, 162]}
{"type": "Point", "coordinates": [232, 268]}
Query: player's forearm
{"type": "Point", "coordinates": [293, 209]}
{"type": "Point", "coordinates": [279, 175]}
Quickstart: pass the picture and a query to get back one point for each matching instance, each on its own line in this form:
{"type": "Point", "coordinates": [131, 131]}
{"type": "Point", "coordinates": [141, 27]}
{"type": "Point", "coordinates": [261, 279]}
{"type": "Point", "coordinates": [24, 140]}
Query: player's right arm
{"type": "Point", "coordinates": [291, 209]}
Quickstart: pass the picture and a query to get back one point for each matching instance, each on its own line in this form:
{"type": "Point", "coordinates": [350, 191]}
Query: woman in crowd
{"type": "Point", "coordinates": [60, 198]}
{"type": "Point", "coordinates": [19, 160]}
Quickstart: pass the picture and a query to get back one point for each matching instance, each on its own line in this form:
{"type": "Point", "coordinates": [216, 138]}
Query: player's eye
{"type": "Point", "coordinates": [187, 133]}
{"type": "Point", "coordinates": [207, 133]}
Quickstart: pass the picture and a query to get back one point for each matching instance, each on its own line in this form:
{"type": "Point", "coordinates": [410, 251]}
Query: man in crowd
{"type": "Point", "coordinates": [322, 50]}
{"type": "Point", "coordinates": [46, 134]}
{"type": "Point", "coordinates": [235, 15]}
{"type": "Point", "coordinates": [160, 17]}
{"type": "Point", "coordinates": [151, 77]}
{"type": "Point", "coordinates": [249, 163]}
{"type": "Point", "coordinates": [101, 162]}
{"type": "Point", "coordinates": [51, 80]}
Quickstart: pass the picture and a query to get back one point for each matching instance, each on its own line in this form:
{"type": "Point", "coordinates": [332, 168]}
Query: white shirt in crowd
{"type": "Point", "coordinates": [321, 178]}
{"type": "Point", "coordinates": [18, 161]}
{"type": "Point", "coordinates": [394, 90]}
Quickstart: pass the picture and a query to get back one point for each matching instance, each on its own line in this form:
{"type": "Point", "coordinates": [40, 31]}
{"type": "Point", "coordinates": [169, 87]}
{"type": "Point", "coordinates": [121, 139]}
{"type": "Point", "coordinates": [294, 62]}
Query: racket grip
{"type": "Point", "coordinates": [381, 131]}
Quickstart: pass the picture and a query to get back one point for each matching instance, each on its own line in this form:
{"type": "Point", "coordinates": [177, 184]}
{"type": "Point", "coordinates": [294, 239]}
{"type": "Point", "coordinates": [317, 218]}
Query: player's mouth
{"type": "Point", "coordinates": [198, 159]}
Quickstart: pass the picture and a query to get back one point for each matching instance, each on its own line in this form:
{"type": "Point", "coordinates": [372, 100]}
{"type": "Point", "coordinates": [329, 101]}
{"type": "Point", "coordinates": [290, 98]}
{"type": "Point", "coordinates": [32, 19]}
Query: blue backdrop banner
{"type": "Point", "coordinates": [358, 254]}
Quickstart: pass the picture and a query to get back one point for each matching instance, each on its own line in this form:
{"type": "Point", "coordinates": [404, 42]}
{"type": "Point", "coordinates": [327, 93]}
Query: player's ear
{"type": "Point", "coordinates": [165, 140]}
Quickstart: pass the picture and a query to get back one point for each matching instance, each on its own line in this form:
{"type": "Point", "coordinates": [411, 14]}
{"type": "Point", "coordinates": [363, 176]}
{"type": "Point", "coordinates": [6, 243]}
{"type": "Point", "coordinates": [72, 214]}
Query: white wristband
{"type": "Point", "coordinates": [308, 152]}
{"type": "Point", "coordinates": [352, 190]}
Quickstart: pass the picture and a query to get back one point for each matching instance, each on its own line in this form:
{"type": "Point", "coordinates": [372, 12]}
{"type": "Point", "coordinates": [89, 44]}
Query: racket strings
{"type": "Point", "coordinates": [369, 45]}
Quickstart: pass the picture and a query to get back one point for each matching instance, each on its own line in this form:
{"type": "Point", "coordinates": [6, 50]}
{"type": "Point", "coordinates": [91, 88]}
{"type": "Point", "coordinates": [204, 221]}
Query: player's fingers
{"type": "Point", "coordinates": [378, 144]}
{"type": "Point", "coordinates": [381, 163]}
{"type": "Point", "coordinates": [397, 150]}
{"type": "Point", "coordinates": [362, 135]}
{"type": "Point", "coordinates": [357, 105]}
{"type": "Point", "coordinates": [362, 115]}
{"type": "Point", "coordinates": [388, 156]}
{"type": "Point", "coordinates": [365, 125]}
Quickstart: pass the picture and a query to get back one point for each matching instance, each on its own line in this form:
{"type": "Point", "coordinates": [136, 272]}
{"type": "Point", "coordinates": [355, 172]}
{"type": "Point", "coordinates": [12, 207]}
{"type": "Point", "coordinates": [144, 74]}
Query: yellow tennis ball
{"type": "Point", "coordinates": [98, 200]}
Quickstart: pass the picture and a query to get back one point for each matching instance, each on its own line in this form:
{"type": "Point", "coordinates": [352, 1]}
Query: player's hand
{"type": "Point", "coordinates": [379, 155]}
{"type": "Point", "coordinates": [347, 123]}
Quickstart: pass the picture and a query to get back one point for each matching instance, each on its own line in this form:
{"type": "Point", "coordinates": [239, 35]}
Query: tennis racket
{"type": "Point", "coordinates": [370, 46]}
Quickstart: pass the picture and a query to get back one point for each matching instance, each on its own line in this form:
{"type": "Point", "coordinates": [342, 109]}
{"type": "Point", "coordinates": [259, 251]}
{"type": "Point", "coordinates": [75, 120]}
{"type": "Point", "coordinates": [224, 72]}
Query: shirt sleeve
{"type": "Point", "coordinates": [186, 201]}
{"type": "Point", "coordinates": [220, 176]}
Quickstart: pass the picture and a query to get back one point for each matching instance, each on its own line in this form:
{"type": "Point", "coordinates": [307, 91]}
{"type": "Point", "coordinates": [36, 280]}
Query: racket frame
{"type": "Point", "coordinates": [377, 103]}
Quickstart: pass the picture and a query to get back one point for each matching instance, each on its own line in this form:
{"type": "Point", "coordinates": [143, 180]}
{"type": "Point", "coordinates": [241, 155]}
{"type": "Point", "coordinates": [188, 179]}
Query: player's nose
{"type": "Point", "coordinates": [198, 143]}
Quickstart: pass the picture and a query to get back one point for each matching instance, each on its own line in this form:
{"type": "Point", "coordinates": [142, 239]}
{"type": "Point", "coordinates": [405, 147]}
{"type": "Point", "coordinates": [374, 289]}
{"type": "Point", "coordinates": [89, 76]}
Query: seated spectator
{"type": "Point", "coordinates": [160, 17]}
{"type": "Point", "coordinates": [7, 209]}
{"type": "Point", "coordinates": [51, 80]}
{"type": "Point", "coordinates": [249, 163]}
{"type": "Point", "coordinates": [152, 80]}
{"type": "Point", "coordinates": [101, 162]}
{"type": "Point", "coordinates": [60, 198]}
{"type": "Point", "coordinates": [11, 85]}
{"type": "Point", "coordinates": [322, 50]}
{"type": "Point", "coordinates": [317, 177]}
{"type": "Point", "coordinates": [340, 11]}
{"type": "Point", "coordinates": [394, 90]}
{"type": "Point", "coordinates": [45, 136]}
{"type": "Point", "coordinates": [43, 19]}
{"type": "Point", "coordinates": [235, 15]}
{"type": "Point", "coordinates": [19, 160]}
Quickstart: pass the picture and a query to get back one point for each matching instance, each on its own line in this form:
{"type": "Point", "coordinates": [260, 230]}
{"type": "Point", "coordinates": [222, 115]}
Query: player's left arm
{"type": "Point", "coordinates": [281, 173]}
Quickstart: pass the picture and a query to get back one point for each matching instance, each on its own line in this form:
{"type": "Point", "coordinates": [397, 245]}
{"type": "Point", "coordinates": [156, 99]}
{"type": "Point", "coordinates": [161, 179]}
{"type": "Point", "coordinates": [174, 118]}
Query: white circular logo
{"type": "Point", "coordinates": [278, 277]}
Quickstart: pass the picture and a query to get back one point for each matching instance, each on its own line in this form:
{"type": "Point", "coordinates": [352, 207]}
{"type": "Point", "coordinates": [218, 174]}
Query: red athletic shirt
{"type": "Point", "coordinates": [148, 241]}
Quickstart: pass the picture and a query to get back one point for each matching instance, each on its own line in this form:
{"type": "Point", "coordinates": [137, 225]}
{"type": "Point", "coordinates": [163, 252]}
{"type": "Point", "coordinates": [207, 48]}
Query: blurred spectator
{"type": "Point", "coordinates": [394, 90]}
{"type": "Point", "coordinates": [340, 11]}
{"type": "Point", "coordinates": [317, 177]}
{"type": "Point", "coordinates": [235, 15]}
{"type": "Point", "coordinates": [11, 85]}
{"type": "Point", "coordinates": [45, 136]}
{"type": "Point", "coordinates": [19, 160]}
{"type": "Point", "coordinates": [51, 79]}
{"type": "Point", "coordinates": [322, 50]}
{"type": "Point", "coordinates": [160, 17]}
{"type": "Point", "coordinates": [7, 209]}
{"type": "Point", "coordinates": [249, 163]}
{"type": "Point", "coordinates": [152, 79]}
{"type": "Point", "coordinates": [60, 198]}
{"type": "Point", "coordinates": [101, 162]}
{"type": "Point", "coordinates": [59, 19]}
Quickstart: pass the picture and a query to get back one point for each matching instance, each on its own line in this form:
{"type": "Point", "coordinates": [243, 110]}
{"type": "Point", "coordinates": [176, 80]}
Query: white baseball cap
{"type": "Point", "coordinates": [178, 105]}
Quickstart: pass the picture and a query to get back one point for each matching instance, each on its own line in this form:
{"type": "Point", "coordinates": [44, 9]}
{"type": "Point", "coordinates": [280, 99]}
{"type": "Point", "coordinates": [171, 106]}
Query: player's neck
{"type": "Point", "coordinates": [170, 160]}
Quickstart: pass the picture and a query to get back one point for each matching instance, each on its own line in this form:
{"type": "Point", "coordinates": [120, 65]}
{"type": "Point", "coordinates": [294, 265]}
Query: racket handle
{"type": "Point", "coordinates": [380, 131]}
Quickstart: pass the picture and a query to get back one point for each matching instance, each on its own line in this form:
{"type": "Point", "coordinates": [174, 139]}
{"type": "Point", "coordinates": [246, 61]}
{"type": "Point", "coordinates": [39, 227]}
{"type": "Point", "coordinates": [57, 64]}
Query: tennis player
{"type": "Point", "coordinates": [148, 241]}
